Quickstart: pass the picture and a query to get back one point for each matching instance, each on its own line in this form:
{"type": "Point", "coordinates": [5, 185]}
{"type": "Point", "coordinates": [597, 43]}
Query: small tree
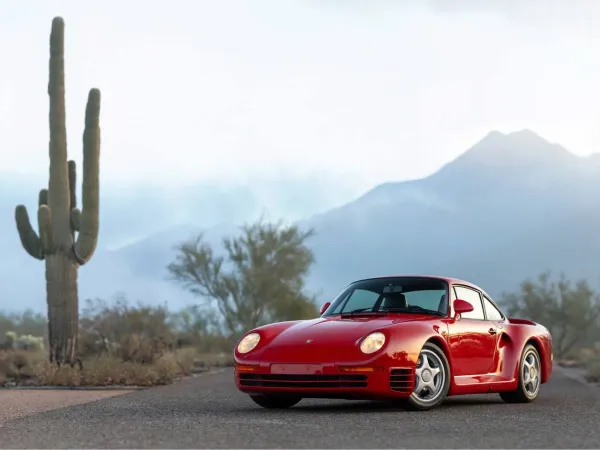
{"type": "Point", "coordinates": [260, 280]}
{"type": "Point", "coordinates": [569, 311]}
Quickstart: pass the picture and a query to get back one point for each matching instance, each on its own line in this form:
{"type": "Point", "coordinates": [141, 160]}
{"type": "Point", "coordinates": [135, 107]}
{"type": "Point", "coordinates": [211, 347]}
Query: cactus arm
{"type": "Point", "coordinates": [75, 212]}
{"type": "Point", "coordinates": [75, 219]}
{"type": "Point", "coordinates": [73, 184]}
{"type": "Point", "coordinates": [46, 229]}
{"type": "Point", "coordinates": [29, 238]}
{"type": "Point", "coordinates": [43, 197]}
{"type": "Point", "coordinates": [88, 230]}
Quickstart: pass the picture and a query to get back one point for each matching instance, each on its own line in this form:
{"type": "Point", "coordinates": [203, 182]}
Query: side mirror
{"type": "Point", "coordinates": [324, 308]}
{"type": "Point", "coordinates": [461, 307]}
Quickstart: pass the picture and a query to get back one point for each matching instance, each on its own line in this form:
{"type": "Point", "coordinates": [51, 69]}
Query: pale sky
{"type": "Point", "coordinates": [228, 89]}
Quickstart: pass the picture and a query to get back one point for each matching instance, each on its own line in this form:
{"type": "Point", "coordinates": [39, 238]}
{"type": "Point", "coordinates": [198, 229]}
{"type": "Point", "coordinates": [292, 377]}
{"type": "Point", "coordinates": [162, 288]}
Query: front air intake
{"type": "Point", "coordinates": [303, 381]}
{"type": "Point", "coordinates": [402, 380]}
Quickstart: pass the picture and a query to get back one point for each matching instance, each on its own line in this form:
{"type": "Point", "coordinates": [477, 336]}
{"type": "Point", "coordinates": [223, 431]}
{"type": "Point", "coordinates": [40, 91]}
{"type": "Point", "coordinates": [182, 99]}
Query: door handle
{"type": "Point", "coordinates": [492, 331]}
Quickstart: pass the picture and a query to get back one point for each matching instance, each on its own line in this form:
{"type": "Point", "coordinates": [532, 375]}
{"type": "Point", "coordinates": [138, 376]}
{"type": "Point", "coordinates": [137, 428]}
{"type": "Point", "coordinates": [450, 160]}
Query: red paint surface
{"type": "Point", "coordinates": [308, 357]}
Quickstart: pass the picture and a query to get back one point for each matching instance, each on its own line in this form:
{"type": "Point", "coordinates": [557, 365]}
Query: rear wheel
{"type": "Point", "coordinates": [275, 401]}
{"type": "Point", "coordinates": [432, 379]}
{"type": "Point", "coordinates": [529, 384]}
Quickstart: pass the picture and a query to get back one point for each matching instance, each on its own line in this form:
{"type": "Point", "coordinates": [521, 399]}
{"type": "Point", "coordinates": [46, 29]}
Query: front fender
{"type": "Point", "coordinates": [408, 339]}
{"type": "Point", "coordinates": [267, 334]}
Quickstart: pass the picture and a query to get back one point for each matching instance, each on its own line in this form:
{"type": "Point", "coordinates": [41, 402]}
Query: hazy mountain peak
{"type": "Point", "coordinates": [522, 148]}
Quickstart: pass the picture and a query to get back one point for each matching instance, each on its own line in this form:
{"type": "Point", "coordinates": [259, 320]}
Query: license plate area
{"type": "Point", "coordinates": [297, 369]}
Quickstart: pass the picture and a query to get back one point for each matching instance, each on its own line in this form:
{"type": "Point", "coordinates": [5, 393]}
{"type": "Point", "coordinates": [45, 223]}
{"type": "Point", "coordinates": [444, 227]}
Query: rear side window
{"type": "Point", "coordinates": [491, 311]}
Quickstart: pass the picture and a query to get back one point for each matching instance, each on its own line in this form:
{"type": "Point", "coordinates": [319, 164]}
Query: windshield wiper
{"type": "Point", "coordinates": [414, 309]}
{"type": "Point", "coordinates": [364, 311]}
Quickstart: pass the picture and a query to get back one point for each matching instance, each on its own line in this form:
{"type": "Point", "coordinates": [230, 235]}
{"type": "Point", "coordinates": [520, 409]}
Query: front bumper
{"type": "Point", "coordinates": [325, 380]}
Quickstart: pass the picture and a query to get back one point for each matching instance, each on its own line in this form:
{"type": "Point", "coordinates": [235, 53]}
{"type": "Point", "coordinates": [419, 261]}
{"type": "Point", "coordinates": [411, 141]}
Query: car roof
{"type": "Point", "coordinates": [450, 280]}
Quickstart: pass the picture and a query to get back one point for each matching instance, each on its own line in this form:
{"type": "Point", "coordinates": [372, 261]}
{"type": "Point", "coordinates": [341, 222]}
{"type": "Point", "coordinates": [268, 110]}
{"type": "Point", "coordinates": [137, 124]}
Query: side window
{"type": "Point", "coordinates": [359, 299]}
{"type": "Point", "coordinates": [474, 299]}
{"type": "Point", "coordinates": [491, 311]}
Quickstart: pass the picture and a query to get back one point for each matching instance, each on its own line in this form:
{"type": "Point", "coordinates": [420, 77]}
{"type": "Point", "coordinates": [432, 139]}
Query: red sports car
{"type": "Point", "coordinates": [417, 339]}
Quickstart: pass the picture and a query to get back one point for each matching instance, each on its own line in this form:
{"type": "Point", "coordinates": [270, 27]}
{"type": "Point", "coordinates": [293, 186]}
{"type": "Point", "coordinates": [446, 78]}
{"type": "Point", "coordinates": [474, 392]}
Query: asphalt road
{"type": "Point", "coordinates": [208, 412]}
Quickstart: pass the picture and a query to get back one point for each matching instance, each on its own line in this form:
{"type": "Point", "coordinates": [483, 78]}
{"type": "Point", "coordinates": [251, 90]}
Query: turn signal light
{"type": "Point", "coordinates": [245, 368]}
{"type": "Point", "coordinates": [359, 369]}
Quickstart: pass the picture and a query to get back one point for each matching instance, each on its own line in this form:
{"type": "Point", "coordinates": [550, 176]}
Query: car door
{"type": "Point", "coordinates": [472, 338]}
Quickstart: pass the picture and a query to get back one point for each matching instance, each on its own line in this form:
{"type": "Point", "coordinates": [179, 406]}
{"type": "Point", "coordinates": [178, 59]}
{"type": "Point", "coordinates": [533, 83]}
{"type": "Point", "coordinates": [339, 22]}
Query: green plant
{"type": "Point", "coordinates": [570, 310]}
{"type": "Point", "coordinates": [59, 219]}
{"type": "Point", "coordinates": [10, 340]}
{"type": "Point", "coordinates": [260, 279]}
{"type": "Point", "coordinates": [29, 342]}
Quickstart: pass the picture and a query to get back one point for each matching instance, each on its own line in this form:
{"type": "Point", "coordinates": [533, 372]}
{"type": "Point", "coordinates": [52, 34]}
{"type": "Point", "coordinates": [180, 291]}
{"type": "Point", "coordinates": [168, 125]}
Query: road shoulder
{"type": "Point", "coordinates": [18, 403]}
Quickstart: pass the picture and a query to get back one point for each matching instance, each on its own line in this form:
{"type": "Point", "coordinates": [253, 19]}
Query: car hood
{"type": "Point", "coordinates": [335, 330]}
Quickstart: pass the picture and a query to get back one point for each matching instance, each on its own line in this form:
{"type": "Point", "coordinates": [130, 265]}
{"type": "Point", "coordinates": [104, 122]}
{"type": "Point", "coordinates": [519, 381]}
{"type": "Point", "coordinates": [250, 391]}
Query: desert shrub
{"type": "Point", "coordinates": [201, 328]}
{"type": "Point", "coordinates": [10, 339]}
{"type": "Point", "coordinates": [29, 342]}
{"type": "Point", "coordinates": [570, 310]}
{"type": "Point", "coordinates": [593, 370]}
{"type": "Point", "coordinates": [142, 333]}
{"type": "Point", "coordinates": [24, 342]}
{"type": "Point", "coordinates": [108, 370]}
{"type": "Point", "coordinates": [134, 333]}
{"type": "Point", "coordinates": [590, 358]}
{"type": "Point", "coordinates": [19, 365]}
{"type": "Point", "coordinates": [25, 323]}
{"type": "Point", "coordinates": [120, 344]}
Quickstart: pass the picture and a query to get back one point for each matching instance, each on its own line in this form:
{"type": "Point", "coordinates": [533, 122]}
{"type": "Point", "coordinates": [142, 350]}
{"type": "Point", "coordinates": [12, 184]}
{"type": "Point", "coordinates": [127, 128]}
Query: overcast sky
{"type": "Point", "coordinates": [225, 89]}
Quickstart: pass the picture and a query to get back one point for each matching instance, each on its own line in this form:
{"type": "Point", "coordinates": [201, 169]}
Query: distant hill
{"type": "Point", "coordinates": [511, 206]}
{"type": "Point", "coordinates": [140, 224]}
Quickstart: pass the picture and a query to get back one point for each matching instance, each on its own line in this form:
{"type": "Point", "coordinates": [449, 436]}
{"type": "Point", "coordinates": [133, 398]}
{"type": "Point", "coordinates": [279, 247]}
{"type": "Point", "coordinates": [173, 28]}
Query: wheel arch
{"type": "Point", "coordinates": [443, 345]}
{"type": "Point", "coordinates": [537, 344]}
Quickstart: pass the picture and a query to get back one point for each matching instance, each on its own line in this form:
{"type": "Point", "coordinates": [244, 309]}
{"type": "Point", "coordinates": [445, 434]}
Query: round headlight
{"type": "Point", "coordinates": [248, 343]}
{"type": "Point", "coordinates": [372, 343]}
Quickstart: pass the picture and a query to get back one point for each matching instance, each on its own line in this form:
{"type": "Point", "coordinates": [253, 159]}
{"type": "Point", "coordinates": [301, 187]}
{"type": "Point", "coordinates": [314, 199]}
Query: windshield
{"type": "Point", "coordinates": [394, 294]}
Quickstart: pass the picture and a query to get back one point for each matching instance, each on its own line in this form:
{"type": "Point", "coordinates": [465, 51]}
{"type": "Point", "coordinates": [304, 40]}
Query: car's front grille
{"type": "Point", "coordinates": [303, 381]}
{"type": "Point", "coordinates": [401, 380]}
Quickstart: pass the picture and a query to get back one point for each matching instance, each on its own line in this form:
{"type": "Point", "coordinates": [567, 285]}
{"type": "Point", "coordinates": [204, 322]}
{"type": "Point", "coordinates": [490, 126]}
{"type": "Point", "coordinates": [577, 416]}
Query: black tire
{"type": "Point", "coordinates": [275, 401]}
{"type": "Point", "coordinates": [414, 402]}
{"type": "Point", "coordinates": [523, 394]}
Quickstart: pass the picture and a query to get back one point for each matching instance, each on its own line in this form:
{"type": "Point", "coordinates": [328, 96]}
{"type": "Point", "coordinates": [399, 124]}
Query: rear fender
{"type": "Point", "coordinates": [523, 332]}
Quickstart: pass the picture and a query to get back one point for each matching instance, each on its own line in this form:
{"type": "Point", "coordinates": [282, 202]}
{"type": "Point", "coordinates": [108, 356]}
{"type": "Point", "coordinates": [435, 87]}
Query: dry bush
{"type": "Point", "coordinates": [590, 357]}
{"type": "Point", "coordinates": [112, 371]}
{"type": "Point", "coordinates": [105, 371]}
{"type": "Point", "coordinates": [25, 323]}
{"type": "Point", "coordinates": [19, 365]}
{"type": "Point", "coordinates": [143, 333]}
{"type": "Point", "coordinates": [135, 333]}
{"type": "Point", "coordinates": [123, 344]}
{"type": "Point", "coordinates": [593, 370]}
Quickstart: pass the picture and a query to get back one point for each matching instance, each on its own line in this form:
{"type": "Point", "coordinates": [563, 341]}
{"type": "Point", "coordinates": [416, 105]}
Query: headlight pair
{"type": "Point", "coordinates": [369, 344]}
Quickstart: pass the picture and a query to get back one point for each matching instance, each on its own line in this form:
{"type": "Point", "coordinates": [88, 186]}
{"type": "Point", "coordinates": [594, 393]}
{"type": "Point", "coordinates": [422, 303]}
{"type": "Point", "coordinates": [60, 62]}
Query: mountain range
{"type": "Point", "coordinates": [510, 207]}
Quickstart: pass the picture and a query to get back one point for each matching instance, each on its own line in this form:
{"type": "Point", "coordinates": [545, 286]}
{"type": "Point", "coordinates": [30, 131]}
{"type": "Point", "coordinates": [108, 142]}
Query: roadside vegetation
{"type": "Point", "coordinates": [258, 279]}
{"type": "Point", "coordinates": [119, 344]}
{"type": "Point", "coordinates": [571, 312]}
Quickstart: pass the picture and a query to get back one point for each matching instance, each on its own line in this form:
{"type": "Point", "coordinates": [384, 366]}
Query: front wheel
{"type": "Point", "coordinates": [275, 401]}
{"type": "Point", "coordinates": [432, 379]}
{"type": "Point", "coordinates": [529, 378]}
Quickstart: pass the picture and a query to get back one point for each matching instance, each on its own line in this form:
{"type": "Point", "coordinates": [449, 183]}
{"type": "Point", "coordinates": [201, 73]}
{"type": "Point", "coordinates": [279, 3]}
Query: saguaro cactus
{"type": "Point", "coordinates": [67, 236]}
